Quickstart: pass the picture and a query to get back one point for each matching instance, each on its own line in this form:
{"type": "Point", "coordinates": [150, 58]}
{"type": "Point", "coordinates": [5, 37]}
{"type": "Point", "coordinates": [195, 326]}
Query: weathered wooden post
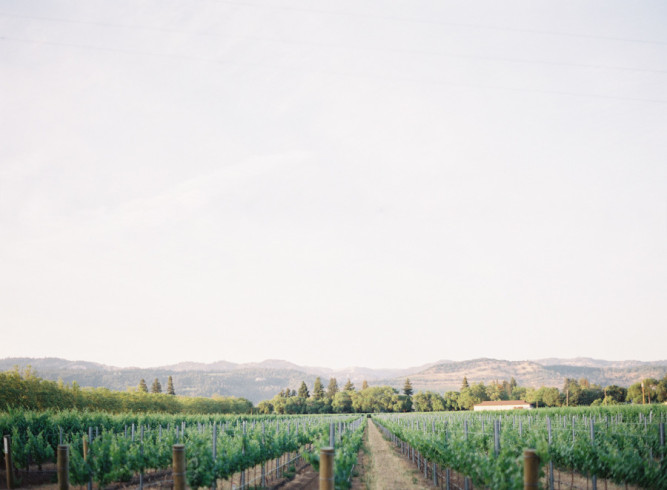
{"type": "Point", "coordinates": [531, 467]}
{"type": "Point", "coordinates": [214, 451]}
{"type": "Point", "coordinates": [63, 467]}
{"type": "Point", "coordinates": [9, 466]}
{"type": "Point", "coordinates": [178, 466]}
{"type": "Point", "coordinates": [327, 468]}
{"type": "Point", "coordinates": [86, 454]}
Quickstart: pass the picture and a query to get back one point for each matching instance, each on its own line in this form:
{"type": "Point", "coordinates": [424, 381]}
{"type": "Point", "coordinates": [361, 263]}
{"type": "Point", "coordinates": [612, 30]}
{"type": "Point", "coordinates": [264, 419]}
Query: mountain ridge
{"type": "Point", "coordinates": [262, 380]}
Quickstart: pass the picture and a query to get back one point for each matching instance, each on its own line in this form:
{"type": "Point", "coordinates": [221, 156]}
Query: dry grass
{"type": "Point", "coordinates": [387, 470]}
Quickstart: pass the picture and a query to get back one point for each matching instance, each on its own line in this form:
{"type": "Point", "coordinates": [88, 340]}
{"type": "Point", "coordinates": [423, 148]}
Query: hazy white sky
{"type": "Point", "coordinates": [333, 182]}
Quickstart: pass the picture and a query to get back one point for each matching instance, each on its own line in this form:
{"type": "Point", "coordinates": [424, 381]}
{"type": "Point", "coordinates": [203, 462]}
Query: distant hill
{"type": "Point", "coordinates": [262, 380]}
{"type": "Point", "coordinates": [446, 377]}
{"type": "Point", "coordinates": [599, 363]}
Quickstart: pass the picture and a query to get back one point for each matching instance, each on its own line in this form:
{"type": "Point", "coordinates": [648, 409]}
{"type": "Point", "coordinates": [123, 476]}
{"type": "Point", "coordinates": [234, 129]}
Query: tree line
{"type": "Point", "coordinates": [335, 400]}
{"type": "Point", "coordinates": [388, 399]}
{"type": "Point", "coordinates": [24, 389]}
{"type": "Point", "coordinates": [156, 387]}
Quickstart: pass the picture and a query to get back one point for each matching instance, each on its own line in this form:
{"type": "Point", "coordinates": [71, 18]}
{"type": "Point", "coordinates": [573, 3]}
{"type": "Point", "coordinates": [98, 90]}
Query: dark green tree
{"type": "Point", "coordinates": [465, 384]}
{"type": "Point", "coordinates": [332, 389]}
{"type": "Point", "coordinates": [170, 386]}
{"type": "Point", "coordinates": [661, 390]}
{"type": "Point", "coordinates": [614, 394]}
{"type": "Point", "coordinates": [318, 390]}
{"type": "Point", "coordinates": [634, 393]}
{"type": "Point", "coordinates": [407, 387]}
{"type": "Point", "coordinates": [157, 387]}
{"type": "Point", "coordinates": [650, 385]}
{"type": "Point", "coordinates": [506, 391]}
{"type": "Point", "coordinates": [342, 402]}
{"type": "Point", "coordinates": [303, 390]}
{"type": "Point", "coordinates": [348, 386]}
{"type": "Point", "coordinates": [265, 407]}
{"type": "Point", "coordinates": [573, 391]}
{"type": "Point", "coordinates": [143, 388]}
{"type": "Point", "coordinates": [403, 403]}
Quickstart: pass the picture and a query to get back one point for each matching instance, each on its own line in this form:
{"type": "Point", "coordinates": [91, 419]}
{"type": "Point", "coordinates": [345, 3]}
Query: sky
{"type": "Point", "coordinates": [333, 183]}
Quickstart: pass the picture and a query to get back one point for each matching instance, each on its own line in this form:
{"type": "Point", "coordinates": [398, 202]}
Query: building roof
{"type": "Point", "coordinates": [501, 403]}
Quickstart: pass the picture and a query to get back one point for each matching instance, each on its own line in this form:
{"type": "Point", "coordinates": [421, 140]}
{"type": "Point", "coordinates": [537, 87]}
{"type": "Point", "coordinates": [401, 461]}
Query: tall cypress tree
{"type": "Point", "coordinates": [142, 386]}
{"type": "Point", "coordinates": [332, 389]}
{"type": "Point", "coordinates": [465, 384]}
{"type": "Point", "coordinates": [170, 386]}
{"type": "Point", "coordinates": [318, 390]}
{"type": "Point", "coordinates": [157, 387]}
{"type": "Point", "coordinates": [407, 387]}
{"type": "Point", "coordinates": [303, 390]}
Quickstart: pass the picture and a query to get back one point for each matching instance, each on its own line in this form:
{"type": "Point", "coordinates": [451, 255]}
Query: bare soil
{"type": "Point", "coordinates": [387, 470]}
{"type": "Point", "coordinates": [305, 479]}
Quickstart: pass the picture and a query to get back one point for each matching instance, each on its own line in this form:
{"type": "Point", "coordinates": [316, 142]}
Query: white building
{"type": "Point", "coordinates": [503, 405]}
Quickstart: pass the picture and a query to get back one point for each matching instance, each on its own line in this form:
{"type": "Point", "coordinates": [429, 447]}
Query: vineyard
{"type": "Point", "coordinates": [624, 445]}
{"type": "Point", "coordinates": [114, 448]}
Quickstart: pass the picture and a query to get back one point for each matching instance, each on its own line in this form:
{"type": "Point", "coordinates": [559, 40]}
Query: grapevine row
{"type": "Point", "coordinates": [488, 447]}
{"type": "Point", "coordinates": [215, 449]}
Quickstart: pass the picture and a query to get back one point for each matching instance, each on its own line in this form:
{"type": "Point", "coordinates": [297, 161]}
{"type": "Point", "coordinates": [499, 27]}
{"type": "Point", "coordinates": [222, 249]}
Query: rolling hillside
{"type": "Point", "coordinates": [262, 380]}
{"type": "Point", "coordinates": [446, 377]}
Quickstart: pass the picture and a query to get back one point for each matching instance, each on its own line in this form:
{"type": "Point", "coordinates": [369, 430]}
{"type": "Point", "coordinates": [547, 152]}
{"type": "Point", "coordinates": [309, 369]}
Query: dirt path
{"type": "Point", "coordinates": [386, 470]}
{"type": "Point", "coordinates": [305, 479]}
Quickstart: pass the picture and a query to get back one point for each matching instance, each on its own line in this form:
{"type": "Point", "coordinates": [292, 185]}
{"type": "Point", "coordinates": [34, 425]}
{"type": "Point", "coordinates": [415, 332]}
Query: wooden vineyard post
{"type": "Point", "coordinates": [551, 463]}
{"type": "Point", "coordinates": [327, 468]}
{"type": "Point", "coordinates": [594, 479]}
{"type": "Point", "coordinates": [63, 467]}
{"type": "Point", "coordinates": [214, 451]}
{"type": "Point", "coordinates": [531, 466]}
{"type": "Point", "coordinates": [243, 479]}
{"type": "Point", "coordinates": [263, 481]}
{"type": "Point", "coordinates": [85, 458]}
{"type": "Point", "coordinates": [86, 450]}
{"type": "Point", "coordinates": [178, 465]}
{"type": "Point", "coordinates": [9, 467]}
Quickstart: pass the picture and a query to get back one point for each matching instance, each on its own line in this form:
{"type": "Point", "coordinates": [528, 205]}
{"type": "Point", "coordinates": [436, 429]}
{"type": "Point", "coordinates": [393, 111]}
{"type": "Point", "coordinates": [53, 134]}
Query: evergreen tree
{"type": "Point", "coordinates": [507, 391]}
{"type": "Point", "coordinates": [348, 386]}
{"type": "Point", "coordinates": [318, 390]}
{"type": "Point", "coordinates": [143, 388]}
{"type": "Point", "coordinates": [170, 386]}
{"type": "Point", "coordinates": [407, 387]}
{"type": "Point", "coordinates": [465, 384]}
{"type": "Point", "coordinates": [293, 393]}
{"type": "Point", "coordinates": [303, 390]}
{"type": "Point", "coordinates": [364, 385]}
{"type": "Point", "coordinates": [332, 389]}
{"type": "Point", "coordinates": [157, 387]}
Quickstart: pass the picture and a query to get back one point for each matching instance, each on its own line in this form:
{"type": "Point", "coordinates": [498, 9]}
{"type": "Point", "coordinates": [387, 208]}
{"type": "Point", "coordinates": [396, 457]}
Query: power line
{"type": "Point", "coordinates": [336, 73]}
